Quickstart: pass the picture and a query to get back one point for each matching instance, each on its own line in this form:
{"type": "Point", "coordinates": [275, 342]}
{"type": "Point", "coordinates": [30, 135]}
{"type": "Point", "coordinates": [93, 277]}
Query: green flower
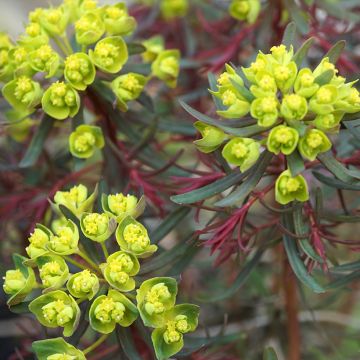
{"type": "Point", "coordinates": [76, 199]}
{"type": "Point", "coordinates": [23, 94]}
{"type": "Point", "coordinates": [265, 110]}
{"type": "Point", "coordinates": [154, 297]}
{"type": "Point", "coordinates": [82, 285]}
{"type": "Point", "coordinates": [282, 139]}
{"type": "Point", "coordinates": [119, 205]}
{"type": "Point", "coordinates": [34, 36]}
{"type": "Point", "coordinates": [19, 126]}
{"type": "Point", "coordinates": [110, 54]}
{"type": "Point", "coordinates": [79, 71]}
{"type": "Point", "coordinates": [313, 143]}
{"type": "Point", "coordinates": [324, 65]}
{"type": "Point", "coordinates": [89, 28]}
{"type": "Point", "coordinates": [35, 15]}
{"type": "Point", "coordinates": [212, 137]}
{"type": "Point", "coordinates": [5, 41]}
{"type": "Point", "coordinates": [154, 46]}
{"type": "Point", "coordinates": [288, 188]}
{"type": "Point", "coordinates": [119, 270]}
{"type": "Point", "coordinates": [285, 75]}
{"type": "Point", "coordinates": [20, 282]}
{"type": "Point", "coordinates": [53, 271]}
{"type": "Point", "coordinates": [56, 349]}
{"type": "Point", "coordinates": [65, 240]}
{"type": "Point", "coordinates": [19, 59]}
{"type": "Point", "coordinates": [6, 66]}
{"type": "Point", "coordinates": [304, 84]}
{"type": "Point", "coordinates": [45, 59]}
{"type": "Point", "coordinates": [323, 100]}
{"type": "Point", "coordinates": [261, 64]}
{"type": "Point", "coordinates": [54, 20]}
{"type": "Point", "coordinates": [348, 99]}
{"type": "Point", "coordinates": [56, 309]}
{"type": "Point", "coordinates": [38, 240]}
{"type": "Point", "coordinates": [245, 10]}
{"type": "Point", "coordinates": [61, 101]}
{"type": "Point", "coordinates": [96, 227]}
{"type": "Point", "coordinates": [133, 237]}
{"type": "Point", "coordinates": [329, 122]}
{"type": "Point", "coordinates": [242, 152]}
{"type": "Point", "coordinates": [109, 310]}
{"type": "Point", "coordinates": [168, 340]}
{"type": "Point", "coordinates": [171, 9]}
{"type": "Point", "coordinates": [117, 20]}
{"type": "Point", "coordinates": [265, 85]}
{"type": "Point", "coordinates": [85, 140]}
{"type": "Point", "coordinates": [166, 67]}
{"type": "Point", "coordinates": [128, 87]}
{"type": "Point", "coordinates": [281, 55]}
{"type": "Point", "coordinates": [294, 107]}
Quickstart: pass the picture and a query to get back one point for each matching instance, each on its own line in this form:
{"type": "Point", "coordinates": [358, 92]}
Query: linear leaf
{"type": "Point", "coordinates": [270, 354]}
{"type": "Point", "coordinates": [135, 48]}
{"type": "Point", "coordinates": [325, 77]}
{"type": "Point", "coordinates": [213, 86]}
{"type": "Point", "coordinates": [243, 91]}
{"type": "Point", "coordinates": [343, 281]}
{"type": "Point", "coordinates": [335, 52]}
{"type": "Point", "coordinates": [127, 343]}
{"type": "Point", "coordinates": [335, 183]}
{"type": "Point", "coordinates": [295, 163]}
{"type": "Point", "coordinates": [300, 55]}
{"type": "Point", "coordinates": [289, 34]}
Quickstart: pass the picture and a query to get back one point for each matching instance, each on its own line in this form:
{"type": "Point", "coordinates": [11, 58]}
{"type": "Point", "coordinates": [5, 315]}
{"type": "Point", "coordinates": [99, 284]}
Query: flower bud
{"type": "Point", "coordinates": [83, 285]}
{"type": "Point", "coordinates": [45, 59]}
{"type": "Point", "coordinates": [171, 9]}
{"type": "Point", "coordinates": [294, 107]}
{"type": "Point", "coordinates": [282, 139]}
{"type": "Point", "coordinates": [109, 310]}
{"type": "Point", "coordinates": [120, 205]}
{"type": "Point", "coordinates": [56, 309]}
{"type": "Point", "coordinates": [242, 152]}
{"type": "Point", "coordinates": [65, 241]}
{"type": "Point", "coordinates": [312, 143]}
{"type": "Point", "coordinates": [117, 20]}
{"type": "Point", "coordinates": [245, 10]}
{"type": "Point", "coordinates": [96, 226]}
{"type": "Point", "coordinates": [281, 54]}
{"type": "Point", "coordinates": [61, 101]}
{"type": "Point", "coordinates": [166, 67]}
{"type": "Point", "coordinates": [110, 54]}
{"type": "Point", "coordinates": [265, 110]}
{"type": "Point", "coordinates": [212, 137]}
{"type": "Point", "coordinates": [53, 271]}
{"type": "Point", "coordinates": [119, 269]}
{"type": "Point", "coordinates": [89, 28]}
{"type": "Point", "coordinates": [154, 46]}
{"type": "Point", "coordinates": [85, 140]}
{"type": "Point", "coordinates": [133, 237]}
{"type": "Point", "coordinates": [79, 71]}
{"type": "Point", "coordinates": [288, 188]}
{"type": "Point", "coordinates": [38, 240]}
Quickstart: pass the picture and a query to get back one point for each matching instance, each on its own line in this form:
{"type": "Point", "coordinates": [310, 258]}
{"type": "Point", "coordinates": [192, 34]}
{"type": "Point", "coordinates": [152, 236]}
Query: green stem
{"type": "Point", "coordinates": [62, 46]}
{"type": "Point", "coordinates": [67, 44]}
{"type": "Point", "coordinates": [104, 249]}
{"type": "Point", "coordinates": [101, 339]}
{"type": "Point", "coordinates": [74, 262]}
{"type": "Point", "coordinates": [83, 48]}
{"type": "Point", "coordinates": [88, 260]}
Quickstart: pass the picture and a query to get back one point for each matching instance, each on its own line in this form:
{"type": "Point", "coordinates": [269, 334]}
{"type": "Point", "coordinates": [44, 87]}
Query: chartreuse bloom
{"type": "Point", "coordinates": [56, 309]}
{"type": "Point", "coordinates": [79, 71]}
{"type": "Point", "coordinates": [83, 285]}
{"type": "Point", "coordinates": [265, 110]}
{"type": "Point", "coordinates": [19, 125]}
{"type": "Point", "coordinates": [65, 240]}
{"type": "Point", "coordinates": [119, 270]}
{"type": "Point", "coordinates": [154, 297]}
{"type": "Point", "coordinates": [294, 107]}
{"type": "Point", "coordinates": [324, 99]}
{"type": "Point", "coordinates": [133, 237]}
{"type": "Point", "coordinates": [6, 66]}
{"type": "Point", "coordinates": [56, 349]}
{"type": "Point", "coordinates": [261, 64]}
{"type": "Point", "coordinates": [61, 101]}
{"type": "Point", "coordinates": [245, 10]}
{"type": "Point", "coordinates": [281, 54]}
{"type": "Point", "coordinates": [85, 140]}
{"type": "Point", "coordinates": [119, 205]}
{"type": "Point", "coordinates": [242, 152]}
{"type": "Point", "coordinates": [110, 54]}
{"type": "Point", "coordinates": [265, 84]}
{"type": "Point", "coordinates": [38, 240]}
{"type": "Point", "coordinates": [97, 227]}
{"type": "Point", "coordinates": [312, 143]}
{"type": "Point", "coordinates": [23, 94]}
{"type": "Point", "coordinates": [212, 137]}
{"type": "Point", "coordinates": [18, 283]}
{"type": "Point", "coordinates": [77, 199]}
{"type": "Point", "coordinates": [53, 271]}
{"type": "Point", "coordinates": [34, 36]}
{"type": "Point", "coordinates": [154, 46]}
{"type": "Point", "coordinates": [348, 99]}
{"type": "Point", "coordinates": [282, 139]}
{"type": "Point", "coordinates": [171, 9]}
{"type": "Point", "coordinates": [305, 84]}
{"type": "Point", "coordinates": [168, 340]}
{"type": "Point", "coordinates": [289, 188]}
{"type": "Point", "coordinates": [45, 59]}
{"type": "Point", "coordinates": [107, 311]}
{"type": "Point", "coordinates": [166, 67]}
{"type": "Point", "coordinates": [117, 20]}
{"type": "Point", "coordinates": [54, 20]}
{"type": "Point", "coordinates": [19, 59]}
{"type": "Point", "coordinates": [285, 75]}
{"type": "Point", "coordinates": [128, 87]}
{"type": "Point", "coordinates": [328, 122]}
{"type": "Point", "coordinates": [89, 28]}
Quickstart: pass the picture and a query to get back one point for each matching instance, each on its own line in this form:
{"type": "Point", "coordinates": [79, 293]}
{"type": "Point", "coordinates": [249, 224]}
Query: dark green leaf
{"type": "Point", "coordinates": [335, 52]}
{"type": "Point", "coordinates": [289, 34]}
{"type": "Point", "coordinates": [243, 91]}
{"type": "Point", "coordinates": [299, 16]}
{"type": "Point", "coordinates": [325, 77]}
{"type": "Point", "coordinates": [295, 163]}
{"type": "Point", "coordinates": [270, 354]}
{"type": "Point", "coordinates": [37, 142]}
{"type": "Point", "coordinates": [126, 341]}
{"type": "Point", "coordinates": [134, 48]}
{"type": "Point", "coordinates": [343, 281]}
{"type": "Point", "coordinates": [300, 55]}
{"type": "Point", "coordinates": [213, 86]}
{"type": "Point", "coordinates": [335, 183]}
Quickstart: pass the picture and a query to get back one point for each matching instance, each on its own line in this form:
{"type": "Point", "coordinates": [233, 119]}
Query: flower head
{"type": "Point", "coordinates": [212, 137]}
{"type": "Point", "coordinates": [245, 10]}
{"type": "Point", "coordinates": [56, 349]}
{"type": "Point", "coordinates": [38, 240]}
{"type": "Point", "coordinates": [85, 140]}
{"type": "Point", "coordinates": [84, 284]}
{"type": "Point", "coordinates": [282, 139]}
{"type": "Point", "coordinates": [117, 20]}
{"type": "Point", "coordinates": [289, 188]}
{"type": "Point", "coordinates": [96, 226]}
{"type": "Point", "coordinates": [312, 143]}
{"type": "Point", "coordinates": [53, 271]}
{"type": "Point", "coordinates": [45, 59]}
{"type": "Point", "coordinates": [120, 205]}
{"type": "Point", "coordinates": [171, 9]}
{"type": "Point", "coordinates": [65, 240]}
{"type": "Point", "coordinates": [166, 67]}
{"type": "Point", "coordinates": [79, 71]}
{"type": "Point", "coordinates": [89, 28]}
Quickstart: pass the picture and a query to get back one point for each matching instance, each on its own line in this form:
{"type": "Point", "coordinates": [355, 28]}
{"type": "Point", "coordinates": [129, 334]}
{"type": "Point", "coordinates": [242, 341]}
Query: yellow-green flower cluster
{"type": "Point", "coordinates": [61, 265]}
{"type": "Point", "coordinates": [245, 10]}
{"type": "Point", "coordinates": [294, 110]}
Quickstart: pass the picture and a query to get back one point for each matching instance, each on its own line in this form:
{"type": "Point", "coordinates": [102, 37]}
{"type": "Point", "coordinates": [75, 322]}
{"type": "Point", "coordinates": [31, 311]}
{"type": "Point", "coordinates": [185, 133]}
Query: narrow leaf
{"type": "Point", "coordinates": [335, 52]}
{"type": "Point", "coordinates": [325, 77]}
{"type": "Point", "coordinates": [301, 54]}
{"type": "Point", "coordinates": [289, 34]}
{"type": "Point", "coordinates": [127, 343]}
{"type": "Point", "coordinates": [335, 183]}
{"type": "Point", "coordinates": [135, 48]}
{"type": "Point", "coordinates": [295, 163]}
{"type": "Point", "coordinates": [243, 91]}
{"type": "Point", "coordinates": [270, 354]}
{"type": "Point", "coordinates": [213, 86]}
